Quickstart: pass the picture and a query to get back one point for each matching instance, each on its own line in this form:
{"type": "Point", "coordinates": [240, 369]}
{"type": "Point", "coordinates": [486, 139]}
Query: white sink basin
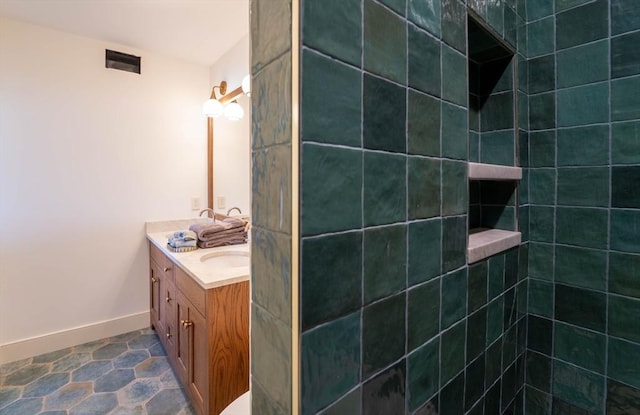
{"type": "Point", "coordinates": [227, 259]}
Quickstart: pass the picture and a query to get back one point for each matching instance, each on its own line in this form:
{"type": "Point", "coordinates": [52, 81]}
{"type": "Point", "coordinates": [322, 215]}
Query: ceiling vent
{"type": "Point", "coordinates": [122, 61]}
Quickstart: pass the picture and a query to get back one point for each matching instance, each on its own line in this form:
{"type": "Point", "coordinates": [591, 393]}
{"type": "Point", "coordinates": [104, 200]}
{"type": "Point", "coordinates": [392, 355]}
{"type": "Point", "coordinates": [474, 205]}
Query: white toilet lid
{"type": "Point", "coordinates": [241, 406]}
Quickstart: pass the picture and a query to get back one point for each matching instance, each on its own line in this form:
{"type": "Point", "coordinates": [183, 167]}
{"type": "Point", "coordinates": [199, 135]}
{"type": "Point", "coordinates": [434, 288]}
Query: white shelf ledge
{"type": "Point", "coordinates": [481, 171]}
{"type": "Point", "coordinates": [484, 243]}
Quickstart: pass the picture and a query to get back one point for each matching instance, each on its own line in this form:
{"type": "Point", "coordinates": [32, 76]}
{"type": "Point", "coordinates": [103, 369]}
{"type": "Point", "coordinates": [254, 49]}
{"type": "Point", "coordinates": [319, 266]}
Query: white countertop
{"type": "Point", "coordinates": [206, 275]}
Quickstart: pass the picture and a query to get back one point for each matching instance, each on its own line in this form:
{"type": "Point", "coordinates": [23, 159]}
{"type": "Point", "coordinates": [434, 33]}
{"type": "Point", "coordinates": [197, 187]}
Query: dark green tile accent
{"type": "Point", "coordinates": [624, 230]}
{"type": "Point", "coordinates": [508, 388]}
{"type": "Point", "coordinates": [454, 298]}
{"type": "Point", "coordinates": [582, 25]}
{"type": "Point", "coordinates": [625, 187]}
{"type": "Point", "coordinates": [581, 226]}
{"type": "Point", "coordinates": [495, 319]}
{"type": "Point", "coordinates": [621, 399]}
{"type": "Point", "coordinates": [426, 14]}
{"type": "Point", "coordinates": [537, 403]}
{"type": "Point", "coordinates": [451, 401]}
{"type": "Point", "coordinates": [511, 22]}
{"type": "Point", "coordinates": [624, 362]}
{"type": "Point", "coordinates": [423, 129]}
{"type": "Point", "coordinates": [581, 307]}
{"type": "Point", "coordinates": [562, 5]}
{"type": "Point", "coordinates": [583, 146]}
{"type": "Point", "coordinates": [495, 16]}
{"type": "Point", "coordinates": [580, 347]}
{"type": "Point", "coordinates": [343, 274]}
{"type": "Point", "coordinates": [583, 105]}
{"type": "Point", "coordinates": [423, 187]}
{"type": "Point", "coordinates": [511, 268]}
{"type": "Point", "coordinates": [560, 407]}
{"type": "Point", "coordinates": [423, 372]}
{"type": "Point", "coordinates": [454, 131]}
{"type": "Point", "coordinates": [326, 172]}
{"type": "Point", "coordinates": [542, 74]}
{"type": "Point", "coordinates": [498, 112]}
{"type": "Point", "coordinates": [581, 267]}
{"type": "Point", "coordinates": [584, 186]}
{"type": "Point", "coordinates": [541, 220]}
{"type": "Point", "coordinates": [523, 113]}
{"type": "Point", "coordinates": [537, 9]}
{"type": "Point", "coordinates": [454, 242]}
{"type": "Point", "coordinates": [625, 16]}
{"type": "Point", "coordinates": [625, 147]}
{"type": "Point", "coordinates": [478, 6]}
{"type": "Point", "coordinates": [424, 62]}
{"type": "Point", "coordinates": [385, 394]}
{"type": "Point", "coordinates": [542, 183]}
{"type": "Point", "coordinates": [348, 404]}
{"type": "Point", "coordinates": [542, 111]}
{"type": "Point", "coordinates": [624, 318]}
{"type": "Point", "coordinates": [399, 6]}
{"type": "Point", "coordinates": [476, 334]}
{"type": "Point", "coordinates": [452, 353]}
{"type": "Point", "coordinates": [496, 276]}
{"type": "Point", "coordinates": [625, 103]}
{"type": "Point", "coordinates": [454, 74]}
{"type": "Point", "coordinates": [540, 261]}
{"type": "Point", "coordinates": [498, 148]}
{"type": "Point", "coordinates": [325, 81]}
{"type": "Point", "coordinates": [539, 334]}
{"type": "Point", "coordinates": [423, 314]}
{"type": "Point", "coordinates": [384, 115]}
{"type": "Point", "coordinates": [477, 286]}
{"type": "Point", "coordinates": [624, 274]}
{"type": "Point", "coordinates": [541, 298]}
{"type": "Point", "coordinates": [385, 261]}
{"type": "Point", "coordinates": [540, 39]}
{"type": "Point", "coordinates": [385, 196]}
{"type": "Point", "coordinates": [583, 64]}
{"type": "Point", "coordinates": [383, 333]}
{"type": "Point", "coordinates": [385, 43]}
{"type": "Point", "coordinates": [625, 57]}
{"type": "Point", "coordinates": [493, 364]}
{"type": "Point", "coordinates": [335, 28]}
{"type": "Point", "coordinates": [542, 149]}
{"type": "Point", "coordinates": [330, 363]}
{"type": "Point", "coordinates": [578, 386]}
{"type": "Point", "coordinates": [454, 187]}
{"type": "Point", "coordinates": [270, 34]}
{"type": "Point", "coordinates": [538, 371]}
{"type": "Point", "coordinates": [474, 384]}
{"type": "Point", "coordinates": [454, 17]}
{"type": "Point", "coordinates": [424, 246]}
{"type": "Point", "coordinates": [492, 398]}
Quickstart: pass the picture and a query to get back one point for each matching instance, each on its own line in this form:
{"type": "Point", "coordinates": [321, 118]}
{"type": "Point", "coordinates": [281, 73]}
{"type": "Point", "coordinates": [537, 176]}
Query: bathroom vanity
{"type": "Point", "coordinates": [200, 311]}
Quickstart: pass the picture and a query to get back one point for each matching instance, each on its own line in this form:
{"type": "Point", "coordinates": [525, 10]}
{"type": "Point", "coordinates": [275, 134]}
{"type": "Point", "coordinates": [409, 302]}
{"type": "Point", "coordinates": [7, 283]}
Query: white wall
{"type": "Point", "coordinates": [88, 155]}
{"type": "Point", "coordinates": [232, 139]}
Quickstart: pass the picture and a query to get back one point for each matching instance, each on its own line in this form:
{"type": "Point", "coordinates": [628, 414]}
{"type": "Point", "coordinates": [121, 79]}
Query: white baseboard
{"type": "Point", "coordinates": [66, 338]}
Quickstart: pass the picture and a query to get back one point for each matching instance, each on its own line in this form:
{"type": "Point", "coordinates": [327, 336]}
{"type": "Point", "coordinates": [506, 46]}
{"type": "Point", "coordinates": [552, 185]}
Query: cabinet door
{"type": "Point", "coordinates": [169, 318]}
{"type": "Point", "coordinates": [154, 290]}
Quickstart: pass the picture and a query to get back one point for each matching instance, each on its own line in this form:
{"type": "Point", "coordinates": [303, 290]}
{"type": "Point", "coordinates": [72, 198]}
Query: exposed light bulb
{"type": "Point", "coordinates": [212, 108]}
{"type": "Point", "coordinates": [246, 85]}
{"type": "Point", "coordinates": [233, 111]}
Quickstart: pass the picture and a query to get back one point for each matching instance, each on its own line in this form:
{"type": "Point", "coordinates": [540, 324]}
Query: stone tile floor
{"type": "Point", "coordinates": [126, 374]}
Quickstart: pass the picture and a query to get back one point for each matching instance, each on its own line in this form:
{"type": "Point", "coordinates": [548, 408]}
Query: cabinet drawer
{"type": "Point", "coordinates": [164, 264]}
{"type": "Point", "coordinates": [191, 290]}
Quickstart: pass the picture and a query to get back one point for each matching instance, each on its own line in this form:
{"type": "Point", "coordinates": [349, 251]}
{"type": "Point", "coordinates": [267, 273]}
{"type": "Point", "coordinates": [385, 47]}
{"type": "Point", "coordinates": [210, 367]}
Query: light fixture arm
{"type": "Point", "coordinates": [222, 88]}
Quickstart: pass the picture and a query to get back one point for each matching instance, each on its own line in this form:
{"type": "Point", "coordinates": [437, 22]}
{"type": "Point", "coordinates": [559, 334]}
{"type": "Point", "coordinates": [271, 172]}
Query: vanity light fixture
{"type": "Point", "coordinates": [227, 103]}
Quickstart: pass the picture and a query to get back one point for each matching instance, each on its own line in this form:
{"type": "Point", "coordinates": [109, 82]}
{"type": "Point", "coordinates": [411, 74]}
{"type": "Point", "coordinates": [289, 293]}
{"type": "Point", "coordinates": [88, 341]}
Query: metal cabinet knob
{"type": "Point", "coordinates": [154, 280]}
{"type": "Point", "coordinates": [186, 323]}
{"type": "Point", "coordinates": [169, 335]}
{"type": "Point", "coordinates": [169, 299]}
{"type": "Point", "coordinates": [165, 269]}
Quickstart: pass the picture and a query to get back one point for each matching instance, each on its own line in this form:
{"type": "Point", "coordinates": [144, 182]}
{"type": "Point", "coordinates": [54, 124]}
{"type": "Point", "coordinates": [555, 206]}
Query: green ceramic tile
{"type": "Point", "coordinates": [624, 230]}
{"type": "Point", "coordinates": [583, 105]}
{"type": "Point", "coordinates": [335, 28]}
{"type": "Point", "coordinates": [384, 115]}
{"type": "Point", "coordinates": [476, 333]}
{"type": "Point", "coordinates": [493, 365]}
{"type": "Point", "coordinates": [539, 334]}
{"type": "Point", "coordinates": [426, 14]}
{"type": "Point", "coordinates": [330, 362]}
{"type": "Point", "coordinates": [270, 282]}
{"type": "Point", "coordinates": [537, 403]}
{"type": "Point", "coordinates": [537, 9]}
{"type": "Point", "coordinates": [327, 171]}
{"type": "Point", "coordinates": [581, 307]}
{"type": "Point", "coordinates": [423, 128]}
{"type": "Point", "coordinates": [541, 261]}
{"type": "Point", "coordinates": [523, 111]}
{"type": "Point", "coordinates": [542, 183]}
{"type": "Point", "coordinates": [385, 196]}
{"type": "Point", "coordinates": [478, 6]}
{"type": "Point", "coordinates": [541, 221]}
{"type": "Point", "coordinates": [348, 404]}
{"type": "Point", "coordinates": [424, 62]}
{"type": "Point", "coordinates": [624, 362]}
{"type": "Point", "coordinates": [582, 226]}
{"type": "Point", "coordinates": [424, 240]}
{"type": "Point", "coordinates": [582, 24]}
{"type": "Point", "coordinates": [511, 268]}
{"type": "Point", "coordinates": [454, 131]}
{"type": "Point", "coordinates": [498, 112]}
{"type": "Point", "coordinates": [496, 276]}
{"type": "Point", "coordinates": [454, 242]}
{"type": "Point", "coordinates": [261, 402]}
{"type": "Point", "coordinates": [495, 319]}
{"type": "Point", "coordinates": [451, 401]}
{"type": "Point", "coordinates": [423, 314]}
{"type": "Point", "coordinates": [271, 32]}
{"type": "Point", "coordinates": [385, 42]}
{"type": "Point", "coordinates": [578, 386]}
{"type": "Point", "coordinates": [542, 74]}
{"type": "Point", "coordinates": [454, 298]}
{"type": "Point", "coordinates": [454, 187]}
{"type": "Point", "coordinates": [581, 347]}
{"type": "Point", "coordinates": [625, 103]}
{"type": "Point", "coordinates": [454, 74]}
{"type": "Point", "coordinates": [625, 143]}
{"type": "Point", "coordinates": [560, 407]}
{"type": "Point", "coordinates": [325, 81]}
{"type": "Point", "coordinates": [562, 5]}
{"type": "Point", "coordinates": [624, 318]}
{"type": "Point", "coordinates": [583, 64]}
{"type": "Point", "coordinates": [386, 391]}
{"type": "Point", "coordinates": [495, 16]}
{"type": "Point", "coordinates": [383, 333]}
{"type": "Point", "coordinates": [581, 267]}
{"type": "Point", "coordinates": [452, 353]}
{"type": "Point", "coordinates": [511, 23]}
{"type": "Point", "coordinates": [422, 373]}
{"type": "Point", "coordinates": [385, 261]}
{"type": "Point", "coordinates": [541, 298]}
{"type": "Point", "coordinates": [621, 399]}
{"type": "Point", "coordinates": [624, 274]}
{"type": "Point", "coordinates": [542, 111]}
{"type": "Point", "coordinates": [540, 39]}
{"type": "Point", "coordinates": [498, 148]}
{"type": "Point", "coordinates": [477, 286]}
{"type": "Point", "coordinates": [584, 186]}
{"type": "Point", "coordinates": [398, 6]}
{"type": "Point", "coordinates": [343, 273]}
{"type": "Point", "coordinates": [625, 57]}
{"type": "Point", "coordinates": [538, 371]}
{"type": "Point", "coordinates": [454, 18]}
{"type": "Point", "coordinates": [625, 187]}
{"type": "Point", "coordinates": [474, 385]}
{"type": "Point", "coordinates": [625, 16]}
{"type": "Point", "coordinates": [542, 149]}
{"type": "Point", "coordinates": [271, 169]}
{"type": "Point", "coordinates": [583, 146]}
{"type": "Point", "coordinates": [423, 187]}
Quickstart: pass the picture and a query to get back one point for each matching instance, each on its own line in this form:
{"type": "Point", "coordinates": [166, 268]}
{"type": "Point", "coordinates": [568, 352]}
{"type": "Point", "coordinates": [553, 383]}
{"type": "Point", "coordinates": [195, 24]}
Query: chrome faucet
{"type": "Point", "coordinates": [210, 213]}
{"type": "Point", "coordinates": [234, 208]}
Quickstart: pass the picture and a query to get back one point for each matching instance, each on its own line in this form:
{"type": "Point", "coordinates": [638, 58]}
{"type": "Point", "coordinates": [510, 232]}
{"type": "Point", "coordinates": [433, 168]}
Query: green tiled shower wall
{"type": "Point", "coordinates": [583, 207]}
